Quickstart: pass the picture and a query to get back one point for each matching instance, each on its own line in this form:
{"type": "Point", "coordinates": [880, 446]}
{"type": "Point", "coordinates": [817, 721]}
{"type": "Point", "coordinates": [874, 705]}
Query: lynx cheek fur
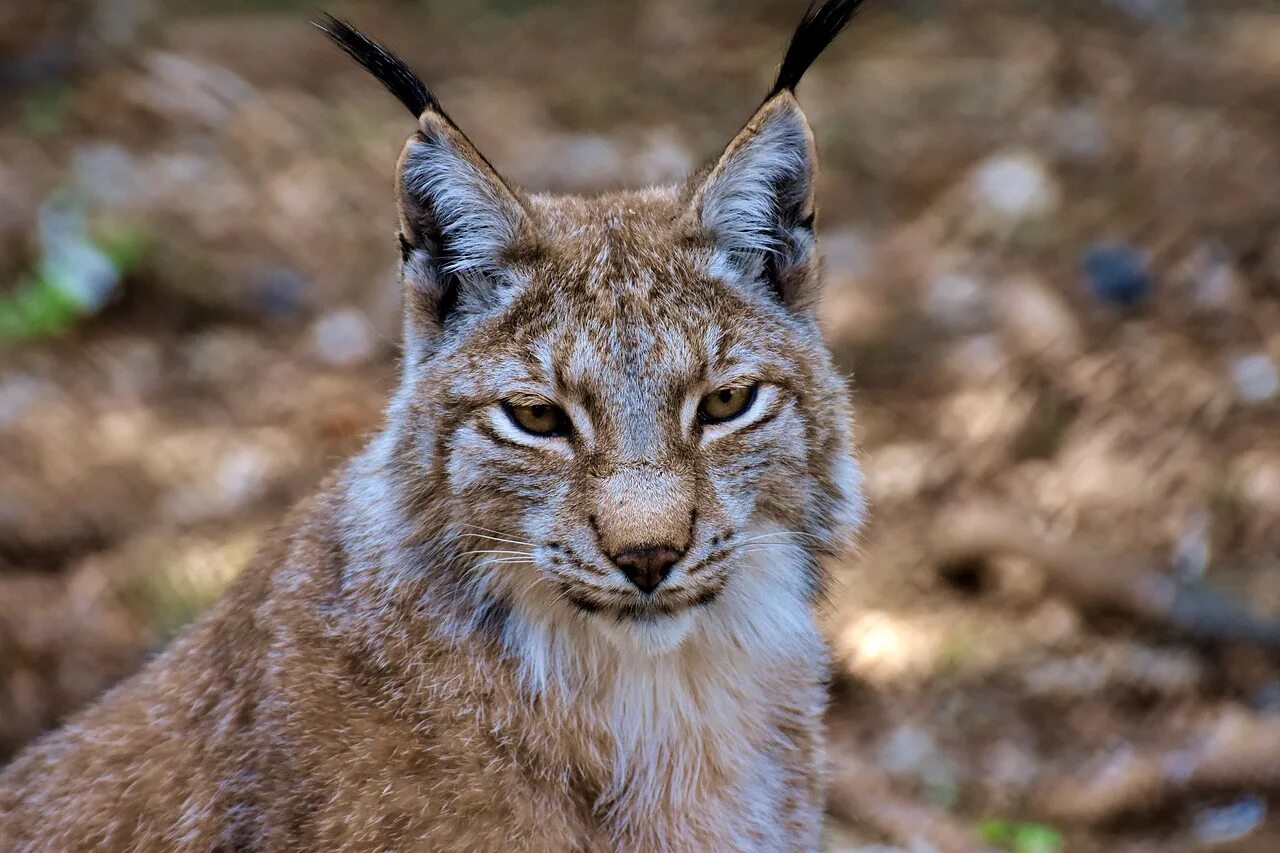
{"type": "Point", "coordinates": [565, 598]}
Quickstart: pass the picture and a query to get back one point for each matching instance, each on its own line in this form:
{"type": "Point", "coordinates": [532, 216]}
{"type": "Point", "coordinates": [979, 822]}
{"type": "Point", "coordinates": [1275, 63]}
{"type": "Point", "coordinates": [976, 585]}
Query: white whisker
{"type": "Point", "coordinates": [485, 533]}
{"type": "Point", "coordinates": [786, 533]}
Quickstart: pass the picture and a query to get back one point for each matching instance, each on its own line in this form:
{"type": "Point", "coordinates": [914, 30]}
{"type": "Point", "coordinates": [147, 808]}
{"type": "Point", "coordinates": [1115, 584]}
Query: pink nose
{"type": "Point", "coordinates": [647, 566]}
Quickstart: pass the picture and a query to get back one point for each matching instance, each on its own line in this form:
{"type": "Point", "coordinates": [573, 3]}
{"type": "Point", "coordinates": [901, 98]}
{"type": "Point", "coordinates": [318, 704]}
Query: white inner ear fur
{"type": "Point", "coordinates": [476, 218]}
{"type": "Point", "coordinates": [749, 191]}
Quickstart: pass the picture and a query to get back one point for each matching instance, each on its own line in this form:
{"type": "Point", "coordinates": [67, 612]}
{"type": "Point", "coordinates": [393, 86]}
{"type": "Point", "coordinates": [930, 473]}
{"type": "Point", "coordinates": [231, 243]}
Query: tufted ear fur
{"type": "Point", "coordinates": [757, 202]}
{"type": "Point", "coordinates": [459, 224]}
{"type": "Point", "coordinates": [459, 220]}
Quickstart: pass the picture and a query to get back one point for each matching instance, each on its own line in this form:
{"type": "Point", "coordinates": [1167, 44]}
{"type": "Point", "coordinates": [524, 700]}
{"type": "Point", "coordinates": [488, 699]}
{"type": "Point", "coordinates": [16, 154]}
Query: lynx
{"type": "Point", "coordinates": [566, 598]}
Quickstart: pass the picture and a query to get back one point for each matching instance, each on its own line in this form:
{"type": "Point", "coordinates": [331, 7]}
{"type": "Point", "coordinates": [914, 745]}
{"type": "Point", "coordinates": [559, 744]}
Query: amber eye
{"type": "Point", "coordinates": [539, 418]}
{"type": "Point", "coordinates": [726, 403]}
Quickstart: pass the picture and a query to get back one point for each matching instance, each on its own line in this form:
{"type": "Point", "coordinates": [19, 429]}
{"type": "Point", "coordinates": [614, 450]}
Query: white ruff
{"type": "Point", "coordinates": [680, 701]}
{"type": "Point", "coordinates": [655, 636]}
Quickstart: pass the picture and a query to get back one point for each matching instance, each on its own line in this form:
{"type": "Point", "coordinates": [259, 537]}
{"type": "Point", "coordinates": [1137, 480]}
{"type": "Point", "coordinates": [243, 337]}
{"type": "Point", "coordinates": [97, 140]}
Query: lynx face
{"type": "Point", "coordinates": [637, 419]}
{"type": "Point", "coordinates": [626, 398]}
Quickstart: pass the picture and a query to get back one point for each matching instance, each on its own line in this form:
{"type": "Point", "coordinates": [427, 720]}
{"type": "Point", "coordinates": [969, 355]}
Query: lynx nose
{"type": "Point", "coordinates": [647, 566]}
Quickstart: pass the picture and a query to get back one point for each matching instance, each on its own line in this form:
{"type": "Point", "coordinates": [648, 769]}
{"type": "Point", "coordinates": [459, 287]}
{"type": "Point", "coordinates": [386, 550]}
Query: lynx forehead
{"type": "Point", "coordinates": [565, 598]}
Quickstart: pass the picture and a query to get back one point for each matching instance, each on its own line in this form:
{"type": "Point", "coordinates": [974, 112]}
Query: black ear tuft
{"type": "Point", "coordinates": [818, 29]}
{"type": "Point", "coordinates": [392, 71]}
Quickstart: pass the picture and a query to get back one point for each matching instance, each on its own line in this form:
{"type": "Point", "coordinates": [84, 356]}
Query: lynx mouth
{"type": "Point", "coordinates": [650, 609]}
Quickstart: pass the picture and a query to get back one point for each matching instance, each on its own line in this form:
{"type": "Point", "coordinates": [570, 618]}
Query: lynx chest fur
{"type": "Point", "coordinates": [565, 599]}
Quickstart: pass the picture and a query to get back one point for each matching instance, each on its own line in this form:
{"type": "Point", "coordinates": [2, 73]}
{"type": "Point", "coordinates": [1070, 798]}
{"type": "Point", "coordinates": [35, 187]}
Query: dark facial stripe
{"type": "Point", "coordinates": [714, 556]}
{"type": "Point", "coordinates": [766, 417]}
{"type": "Point", "coordinates": [486, 429]}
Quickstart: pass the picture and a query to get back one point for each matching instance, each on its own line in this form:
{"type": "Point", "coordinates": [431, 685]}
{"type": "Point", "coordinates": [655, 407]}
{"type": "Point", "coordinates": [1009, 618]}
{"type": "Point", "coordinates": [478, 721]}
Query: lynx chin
{"type": "Point", "coordinates": [565, 598]}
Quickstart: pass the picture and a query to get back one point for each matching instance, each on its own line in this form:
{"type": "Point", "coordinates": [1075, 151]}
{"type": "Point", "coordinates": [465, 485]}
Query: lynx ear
{"type": "Point", "coordinates": [459, 220]}
{"type": "Point", "coordinates": [757, 202]}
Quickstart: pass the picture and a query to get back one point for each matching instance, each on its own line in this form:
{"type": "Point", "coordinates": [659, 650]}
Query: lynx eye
{"type": "Point", "coordinates": [542, 419]}
{"type": "Point", "coordinates": [725, 404]}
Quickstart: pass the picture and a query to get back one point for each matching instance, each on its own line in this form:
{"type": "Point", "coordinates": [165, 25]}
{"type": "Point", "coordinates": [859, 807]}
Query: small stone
{"type": "Point", "coordinates": [1256, 475]}
{"type": "Point", "coordinates": [1015, 187]}
{"type": "Point", "coordinates": [980, 357]}
{"type": "Point", "coordinates": [1079, 133]}
{"type": "Point", "coordinates": [1117, 273]}
{"type": "Point", "coordinates": [82, 273]}
{"type": "Point", "coordinates": [957, 300]}
{"type": "Point", "coordinates": [108, 174]}
{"type": "Point", "coordinates": [343, 338]}
{"type": "Point", "coordinates": [281, 292]}
{"type": "Point", "coordinates": [1213, 283]}
{"type": "Point", "coordinates": [1256, 378]}
{"type": "Point", "coordinates": [242, 475]}
{"type": "Point", "coordinates": [1232, 822]}
{"type": "Point", "coordinates": [71, 262]}
{"type": "Point", "coordinates": [1038, 320]}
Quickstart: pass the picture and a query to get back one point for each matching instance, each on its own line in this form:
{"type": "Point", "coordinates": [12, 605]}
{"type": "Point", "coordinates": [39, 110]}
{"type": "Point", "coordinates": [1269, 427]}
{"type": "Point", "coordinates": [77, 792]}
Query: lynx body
{"type": "Point", "coordinates": [565, 599]}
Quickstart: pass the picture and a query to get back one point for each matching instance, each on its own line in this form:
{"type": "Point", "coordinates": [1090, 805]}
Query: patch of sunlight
{"type": "Point", "coordinates": [883, 647]}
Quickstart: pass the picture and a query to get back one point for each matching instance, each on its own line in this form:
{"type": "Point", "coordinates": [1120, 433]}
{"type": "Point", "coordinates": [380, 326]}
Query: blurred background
{"type": "Point", "coordinates": [1053, 244]}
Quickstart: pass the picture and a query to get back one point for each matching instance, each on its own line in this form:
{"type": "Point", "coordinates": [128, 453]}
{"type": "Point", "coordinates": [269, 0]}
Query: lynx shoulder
{"type": "Point", "coordinates": [565, 599]}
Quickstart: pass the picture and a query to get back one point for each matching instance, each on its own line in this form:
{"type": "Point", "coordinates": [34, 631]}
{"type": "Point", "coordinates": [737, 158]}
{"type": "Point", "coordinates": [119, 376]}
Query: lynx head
{"type": "Point", "coordinates": [624, 402]}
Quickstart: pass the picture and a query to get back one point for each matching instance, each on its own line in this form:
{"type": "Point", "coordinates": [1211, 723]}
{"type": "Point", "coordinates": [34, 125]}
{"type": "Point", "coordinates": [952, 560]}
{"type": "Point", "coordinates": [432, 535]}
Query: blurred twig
{"type": "Point", "coordinates": [1099, 582]}
{"type": "Point", "coordinates": [1234, 750]}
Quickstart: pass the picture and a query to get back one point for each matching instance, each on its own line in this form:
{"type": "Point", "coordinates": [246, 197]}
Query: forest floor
{"type": "Point", "coordinates": [1053, 251]}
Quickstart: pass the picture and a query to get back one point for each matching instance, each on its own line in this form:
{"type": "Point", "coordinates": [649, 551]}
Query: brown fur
{"type": "Point", "coordinates": [437, 653]}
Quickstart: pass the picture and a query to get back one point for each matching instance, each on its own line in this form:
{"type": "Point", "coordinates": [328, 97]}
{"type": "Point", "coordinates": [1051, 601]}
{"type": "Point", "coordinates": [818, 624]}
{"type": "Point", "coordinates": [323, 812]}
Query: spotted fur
{"type": "Point", "coordinates": [440, 651]}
